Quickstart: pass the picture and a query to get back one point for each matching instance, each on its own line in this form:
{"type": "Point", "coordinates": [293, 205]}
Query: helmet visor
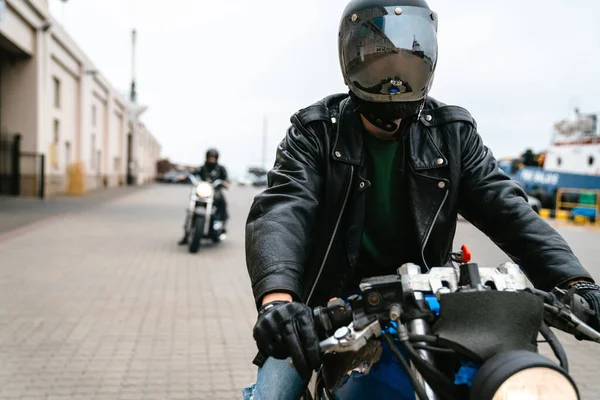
{"type": "Point", "coordinates": [389, 53]}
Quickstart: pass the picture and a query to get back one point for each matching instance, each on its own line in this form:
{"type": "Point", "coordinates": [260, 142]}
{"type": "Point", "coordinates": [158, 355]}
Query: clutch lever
{"type": "Point", "coordinates": [346, 339]}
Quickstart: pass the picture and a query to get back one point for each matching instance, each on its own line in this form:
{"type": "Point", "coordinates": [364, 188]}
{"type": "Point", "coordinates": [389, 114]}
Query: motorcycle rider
{"type": "Point", "coordinates": [210, 172]}
{"type": "Point", "coordinates": [368, 181]}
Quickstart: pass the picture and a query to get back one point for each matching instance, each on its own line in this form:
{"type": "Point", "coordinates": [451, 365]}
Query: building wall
{"type": "Point", "coordinates": [18, 111]}
{"type": "Point", "coordinates": [51, 93]}
{"type": "Point", "coordinates": [19, 78]}
{"type": "Point", "coordinates": [63, 101]}
{"type": "Point", "coordinates": [148, 154]}
{"type": "Point", "coordinates": [115, 162]}
{"type": "Point", "coordinates": [19, 86]}
{"type": "Point", "coordinates": [96, 129]}
{"type": "Point", "coordinates": [18, 26]}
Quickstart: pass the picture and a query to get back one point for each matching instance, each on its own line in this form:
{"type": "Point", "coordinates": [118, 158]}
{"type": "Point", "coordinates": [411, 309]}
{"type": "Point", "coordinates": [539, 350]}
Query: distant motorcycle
{"type": "Point", "coordinates": [454, 333]}
{"type": "Point", "coordinates": [202, 217]}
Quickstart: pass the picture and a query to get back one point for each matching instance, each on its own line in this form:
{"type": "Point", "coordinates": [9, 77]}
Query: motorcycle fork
{"type": "Point", "coordinates": [208, 216]}
{"type": "Point", "coordinates": [421, 327]}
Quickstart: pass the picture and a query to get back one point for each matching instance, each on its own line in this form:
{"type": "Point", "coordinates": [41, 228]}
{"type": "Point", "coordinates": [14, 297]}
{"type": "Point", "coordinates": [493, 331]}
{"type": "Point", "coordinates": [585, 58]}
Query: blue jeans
{"type": "Point", "coordinates": [276, 380]}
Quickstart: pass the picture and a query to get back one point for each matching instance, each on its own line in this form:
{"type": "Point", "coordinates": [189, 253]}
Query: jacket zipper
{"type": "Point", "coordinates": [431, 229]}
{"type": "Point", "coordinates": [335, 229]}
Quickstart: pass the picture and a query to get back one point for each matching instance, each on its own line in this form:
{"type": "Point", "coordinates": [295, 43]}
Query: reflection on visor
{"type": "Point", "coordinates": [389, 85]}
{"type": "Point", "coordinates": [384, 54]}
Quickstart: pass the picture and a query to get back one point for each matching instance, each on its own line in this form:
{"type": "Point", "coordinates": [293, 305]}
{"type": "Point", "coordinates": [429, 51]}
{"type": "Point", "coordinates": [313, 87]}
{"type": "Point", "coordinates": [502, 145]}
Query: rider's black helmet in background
{"type": "Point", "coordinates": [388, 54]}
{"type": "Point", "coordinates": [212, 152]}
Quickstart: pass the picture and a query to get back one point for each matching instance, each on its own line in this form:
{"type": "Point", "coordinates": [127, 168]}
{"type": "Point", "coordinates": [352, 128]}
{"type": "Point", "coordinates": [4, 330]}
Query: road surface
{"type": "Point", "coordinates": [102, 304]}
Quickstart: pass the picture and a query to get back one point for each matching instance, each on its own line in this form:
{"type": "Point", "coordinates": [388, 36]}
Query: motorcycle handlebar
{"type": "Point", "coordinates": [338, 316]}
{"type": "Point", "coordinates": [195, 181]}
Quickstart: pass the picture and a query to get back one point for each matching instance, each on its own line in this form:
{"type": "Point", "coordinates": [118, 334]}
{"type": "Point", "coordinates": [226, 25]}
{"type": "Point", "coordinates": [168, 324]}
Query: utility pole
{"type": "Point", "coordinates": [64, 2]}
{"type": "Point", "coordinates": [133, 119]}
{"type": "Point", "coordinates": [133, 94]}
{"type": "Point", "coordinates": [264, 144]}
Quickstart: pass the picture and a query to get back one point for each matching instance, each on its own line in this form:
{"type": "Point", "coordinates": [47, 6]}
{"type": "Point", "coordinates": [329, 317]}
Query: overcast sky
{"type": "Point", "coordinates": [210, 72]}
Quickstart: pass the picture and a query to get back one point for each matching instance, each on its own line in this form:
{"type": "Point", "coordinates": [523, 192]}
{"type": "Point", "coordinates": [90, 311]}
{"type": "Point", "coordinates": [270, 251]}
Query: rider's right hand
{"type": "Point", "coordinates": [590, 312]}
{"type": "Point", "coordinates": [287, 329]}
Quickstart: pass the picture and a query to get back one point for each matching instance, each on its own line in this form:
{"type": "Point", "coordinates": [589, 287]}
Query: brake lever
{"type": "Point", "coordinates": [346, 339]}
{"type": "Point", "coordinates": [562, 316]}
{"type": "Point", "coordinates": [573, 322]}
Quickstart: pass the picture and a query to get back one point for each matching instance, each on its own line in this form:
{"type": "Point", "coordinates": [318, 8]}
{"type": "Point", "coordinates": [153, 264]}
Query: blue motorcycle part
{"type": "Point", "coordinates": [386, 381]}
{"type": "Point", "coordinates": [466, 373]}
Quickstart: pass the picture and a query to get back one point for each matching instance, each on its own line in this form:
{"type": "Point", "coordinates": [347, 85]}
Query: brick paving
{"type": "Point", "coordinates": [102, 304]}
{"type": "Point", "coordinates": [18, 212]}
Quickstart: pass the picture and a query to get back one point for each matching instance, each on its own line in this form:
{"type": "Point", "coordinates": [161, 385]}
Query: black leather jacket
{"type": "Point", "coordinates": [210, 173]}
{"type": "Point", "coordinates": [303, 233]}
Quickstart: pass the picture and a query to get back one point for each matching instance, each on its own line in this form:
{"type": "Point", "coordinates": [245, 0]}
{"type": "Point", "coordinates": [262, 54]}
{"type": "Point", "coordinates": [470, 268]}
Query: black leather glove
{"type": "Point", "coordinates": [285, 329]}
{"type": "Point", "coordinates": [590, 292]}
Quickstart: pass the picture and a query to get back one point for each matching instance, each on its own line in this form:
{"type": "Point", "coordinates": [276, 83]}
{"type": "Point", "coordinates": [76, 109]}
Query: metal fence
{"type": "Point", "coordinates": [21, 173]}
{"type": "Point", "coordinates": [580, 204]}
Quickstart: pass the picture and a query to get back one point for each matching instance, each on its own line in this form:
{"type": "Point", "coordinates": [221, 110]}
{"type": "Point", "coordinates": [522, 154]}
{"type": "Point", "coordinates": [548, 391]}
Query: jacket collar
{"type": "Point", "coordinates": [424, 152]}
{"type": "Point", "coordinates": [348, 145]}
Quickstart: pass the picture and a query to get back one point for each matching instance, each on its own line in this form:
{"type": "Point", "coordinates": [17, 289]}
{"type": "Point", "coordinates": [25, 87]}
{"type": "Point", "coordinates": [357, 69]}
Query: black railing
{"type": "Point", "coordinates": [10, 148]}
{"type": "Point", "coordinates": [21, 173]}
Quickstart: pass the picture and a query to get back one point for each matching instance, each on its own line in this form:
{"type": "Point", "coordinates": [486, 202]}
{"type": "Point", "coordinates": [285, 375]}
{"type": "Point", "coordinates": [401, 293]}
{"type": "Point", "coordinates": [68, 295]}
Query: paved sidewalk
{"type": "Point", "coordinates": [103, 304]}
{"type": "Point", "coordinates": [17, 212]}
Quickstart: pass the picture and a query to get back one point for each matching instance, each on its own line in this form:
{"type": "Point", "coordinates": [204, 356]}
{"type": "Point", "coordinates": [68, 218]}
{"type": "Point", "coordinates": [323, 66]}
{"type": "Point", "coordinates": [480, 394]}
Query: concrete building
{"type": "Point", "coordinates": [64, 109]}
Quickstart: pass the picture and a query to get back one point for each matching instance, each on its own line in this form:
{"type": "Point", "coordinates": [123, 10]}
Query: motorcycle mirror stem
{"type": "Point", "coordinates": [193, 179]}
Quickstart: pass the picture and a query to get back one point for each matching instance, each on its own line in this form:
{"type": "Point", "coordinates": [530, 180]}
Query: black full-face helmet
{"type": "Point", "coordinates": [212, 153]}
{"type": "Point", "coordinates": [388, 54]}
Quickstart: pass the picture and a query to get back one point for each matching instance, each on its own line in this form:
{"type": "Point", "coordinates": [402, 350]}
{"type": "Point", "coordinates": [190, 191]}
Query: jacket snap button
{"type": "Point", "coordinates": [439, 161]}
{"type": "Point", "coordinates": [338, 154]}
{"type": "Point", "coordinates": [428, 118]}
{"type": "Point", "coordinates": [362, 185]}
{"type": "Point", "coordinates": [333, 120]}
{"type": "Point", "coordinates": [442, 185]}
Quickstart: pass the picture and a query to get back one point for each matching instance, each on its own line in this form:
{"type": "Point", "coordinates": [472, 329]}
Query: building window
{"type": "Point", "coordinates": [54, 145]}
{"type": "Point", "coordinates": [98, 158]}
{"type": "Point", "coordinates": [117, 164]}
{"type": "Point", "coordinates": [93, 152]}
{"type": "Point", "coordinates": [56, 83]}
{"type": "Point", "coordinates": [67, 153]}
{"type": "Point", "coordinates": [591, 161]}
{"type": "Point", "coordinates": [559, 161]}
{"type": "Point", "coordinates": [94, 116]}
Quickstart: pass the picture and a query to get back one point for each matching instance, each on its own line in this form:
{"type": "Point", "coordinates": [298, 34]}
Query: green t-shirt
{"type": "Point", "coordinates": [382, 238]}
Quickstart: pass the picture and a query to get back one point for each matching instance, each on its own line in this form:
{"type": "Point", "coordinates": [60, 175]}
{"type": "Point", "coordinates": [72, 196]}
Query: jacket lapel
{"type": "Point", "coordinates": [348, 144]}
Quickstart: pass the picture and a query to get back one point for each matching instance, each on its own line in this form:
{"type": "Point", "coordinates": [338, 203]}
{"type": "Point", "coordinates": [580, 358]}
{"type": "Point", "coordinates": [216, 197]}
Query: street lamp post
{"type": "Point", "coordinates": [134, 115]}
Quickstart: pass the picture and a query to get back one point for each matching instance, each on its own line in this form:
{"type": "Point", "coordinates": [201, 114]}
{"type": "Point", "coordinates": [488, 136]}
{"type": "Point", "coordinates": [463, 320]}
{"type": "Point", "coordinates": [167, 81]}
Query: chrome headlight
{"type": "Point", "coordinates": [522, 375]}
{"type": "Point", "coordinates": [204, 190]}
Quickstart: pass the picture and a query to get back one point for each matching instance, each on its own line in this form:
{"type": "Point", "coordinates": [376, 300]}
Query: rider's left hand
{"type": "Point", "coordinates": [591, 293]}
